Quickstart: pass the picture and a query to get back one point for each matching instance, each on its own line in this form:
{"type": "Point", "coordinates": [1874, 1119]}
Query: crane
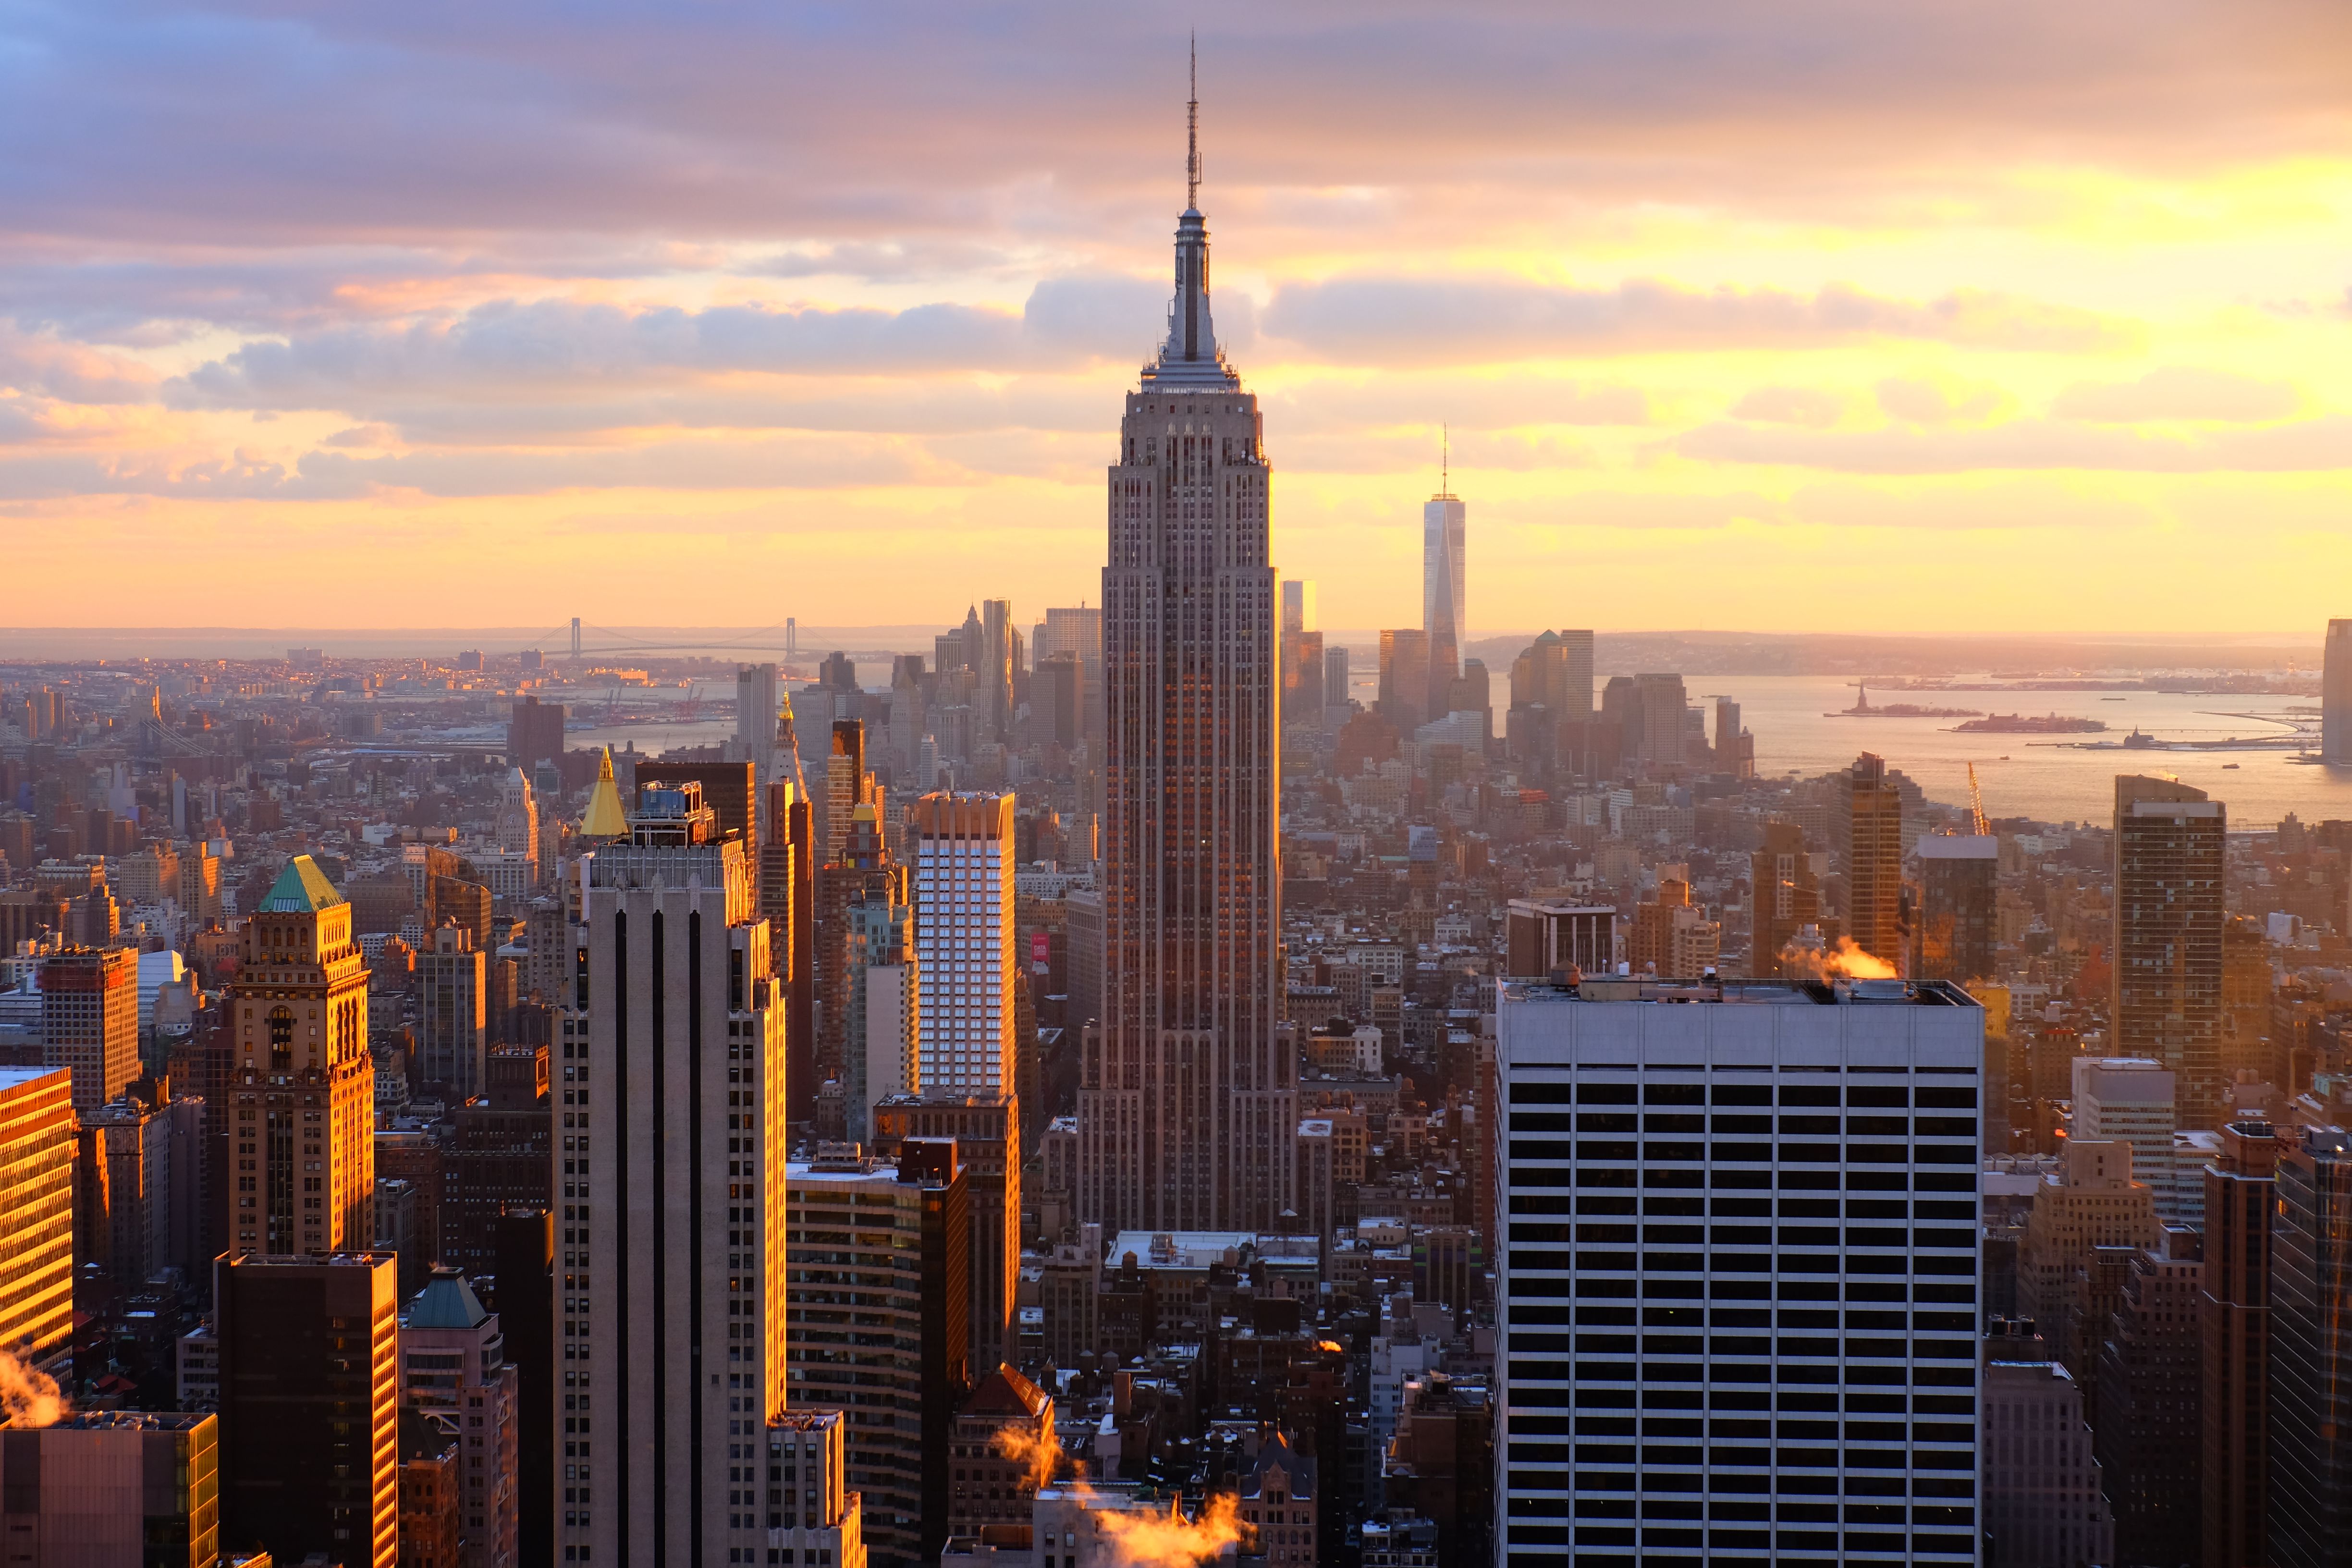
{"type": "Point", "coordinates": [1976, 804]}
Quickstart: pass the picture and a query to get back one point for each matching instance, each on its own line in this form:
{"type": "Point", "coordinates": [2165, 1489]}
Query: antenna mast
{"type": "Point", "coordinates": [1193, 133]}
{"type": "Point", "coordinates": [1446, 460]}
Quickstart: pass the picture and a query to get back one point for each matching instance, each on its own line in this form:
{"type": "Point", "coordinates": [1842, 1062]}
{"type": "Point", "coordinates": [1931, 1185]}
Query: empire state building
{"type": "Point", "coordinates": [1188, 1101]}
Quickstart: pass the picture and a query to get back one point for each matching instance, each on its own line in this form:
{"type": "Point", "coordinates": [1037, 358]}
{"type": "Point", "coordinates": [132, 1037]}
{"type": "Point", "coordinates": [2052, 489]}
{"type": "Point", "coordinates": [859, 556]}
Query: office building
{"type": "Point", "coordinates": [882, 1005]}
{"type": "Point", "coordinates": [525, 1278]}
{"type": "Point", "coordinates": [36, 1211]}
{"type": "Point", "coordinates": [2089, 1218]}
{"type": "Point", "coordinates": [1545, 937]}
{"type": "Point", "coordinates": [1299, 605]}
{"type": "Point", "coordinates": [864, 872]}
{"type": "Point", "coordinates": [670, 1241]}
{"type": "Point", "coordinates": [1281, 1499]}
{"type": "Point", "coordinates": [812, 1511]}
{"type": "Point", "coordinates": [1734, 748]}
{"type": "Point", "coordinates": [1956, 933]}
{"type": "Point", "coordinates": [2151, 1427]}
{"type": "Point", "coordinates": [453, 1014]}
{"type": "Point", "coordinates": [1336, 695]}
{"type": "Point", "coordinates": [300, 1113]}
{"type": "Point", "coordinates": [1872, 818]}
{"type": "Point", "coordinates": [106, 1487]}
{"type": "Point", "coordinates": [453, 1364]}
{"type": "Point", "coordinates": [2336, 695]}
{"type": "Point", "coordinates": [2241, 1189]}
{"type": "Point", "coordinates": [1737, 1313]}
{"type": "Point", "coordinates": [535, 733]}
{"type": "Point", "coordinates": [2131, 1101]}
{"type": "Point", "coordinates": [886, 1343]}
{"type": "Point", "coordinates": [1187, 1092]}
{"type": "Point", "coordinates": [994, 665]}
{"type": "Point", "coordinates": [1406, 678]}
{"type": "Point", "coordinates": [1784, 896]}
{"type": "Point", "coordinates": [2165, 993]}
{"type": "Point", "coordinates": [515, 828]}
{"type": "Point", "coordinates": [497, 1158]}
{"type": "Point", "coordinates": [756, 695]}
{"type": "Point", "coordinates": [2043, 1498]}
{"type": "Point", "coordinates": [964, 941]}
{"type": "Point", "coordinates": [431, 1500]}
{"type": "Point", "coordinates": [1445, 529]}
{"type": "Point", "coordinates": [124, 1206]}
{"type": "Point", "coordinates": [1555, 673]}
{"type": "Point", "coordinates": [2311, 1353]}
{"type": "Point", "coordinates": [986, 1129]}
{"type": "Point", "coordinates": [309, 1404]}
{"type": "Point", "coordinates": [90, 1021]}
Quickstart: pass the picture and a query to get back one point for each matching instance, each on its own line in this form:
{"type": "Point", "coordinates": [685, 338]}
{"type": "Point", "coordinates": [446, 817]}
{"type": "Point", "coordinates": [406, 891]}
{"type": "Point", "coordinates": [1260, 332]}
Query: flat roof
{"type": "Point", "coordinates": [1746, 992]}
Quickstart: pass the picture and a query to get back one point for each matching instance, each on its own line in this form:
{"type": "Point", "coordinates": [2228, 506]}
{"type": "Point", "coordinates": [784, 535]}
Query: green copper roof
{"type": "Point", "coordinates": [300, 890]}
{"type": "Point", "coordinates": [446, 1301]}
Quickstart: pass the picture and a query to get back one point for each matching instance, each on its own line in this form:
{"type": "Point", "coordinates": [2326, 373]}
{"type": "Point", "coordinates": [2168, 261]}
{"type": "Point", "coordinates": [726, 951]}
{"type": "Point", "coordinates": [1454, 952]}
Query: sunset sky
{"type": "Point", "coordinates": [1819, 315]}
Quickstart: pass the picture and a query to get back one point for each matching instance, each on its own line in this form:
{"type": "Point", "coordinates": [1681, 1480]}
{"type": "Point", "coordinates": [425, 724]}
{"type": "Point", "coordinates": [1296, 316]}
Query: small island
{"type": "Point", "coordinates": [1862, 710]}
{"type": "Point", "coordinates": [2026, 724]}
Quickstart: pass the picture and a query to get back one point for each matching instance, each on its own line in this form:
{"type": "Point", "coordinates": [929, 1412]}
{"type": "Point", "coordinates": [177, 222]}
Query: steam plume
{"type": "Point", "coordinates": [28, 1396]}
{"type": "Point", "coordinates": [1849, 962]}
{"type": "Point", "coordinates": [1043, 1456]}
{"type": "Point", "coordinates": [1160, 1541]}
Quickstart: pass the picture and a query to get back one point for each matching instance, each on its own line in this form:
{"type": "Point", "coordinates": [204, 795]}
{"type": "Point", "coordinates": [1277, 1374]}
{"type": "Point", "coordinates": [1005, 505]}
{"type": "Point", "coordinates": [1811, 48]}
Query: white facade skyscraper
{"type": "Point", "coordinates": [671, 1181]}
{"type": "Point", "coordinates": [964, 938]}
{"type": "Point", "coordinates": [1188, 1088]}
{"type": "Point", "coordinates": [1736, 1309]}
{"type": "Point", "coordinates": [755, 719]}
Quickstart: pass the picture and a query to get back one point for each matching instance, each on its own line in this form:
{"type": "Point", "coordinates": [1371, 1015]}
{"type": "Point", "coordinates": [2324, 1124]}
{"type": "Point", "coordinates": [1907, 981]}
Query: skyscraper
{"type": "Point", "coordinates": [1188, 1097]}
{"type": "Point", "coordinates": [1783, 896]}
{"type": "Point", "coordinates": [755, 719]}
{"type": "Point", "coordinates": [1782, 1362]}
{"type": "Point", "coordinates": [2336, 695]}
{"type": "Point", "coordinates": [89, 1020]}
{"type": "Point", "coordinates": [1444, 527]}
{"type": "Point", "coordinates": [309, 1405]}
{"type": "Point", "coordinates": [36, 1211]}
{"type": "Point", "coordinates": [453, 1362]}
{"type": "Point", "coordinates": [2310, 1352]}
{"type": "Point", "coordinates": [2239, 1190]}
{"type": "Point", "coordinates": [1873, 861]}
{"type": "Point", "coordinates": [2167, 952]}
{"type": "Point", "coordinates": [672, 1202]}
{"type": "Point", "coordinates": [1405, 677]}
{"type": "Point", "coordinates": [302, 1101]}
{"type": "Point", "coordinates": [1959, 877]}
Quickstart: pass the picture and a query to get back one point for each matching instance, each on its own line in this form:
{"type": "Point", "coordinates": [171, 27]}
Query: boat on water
{"type": "Point", "coordinates": [2227, 766]}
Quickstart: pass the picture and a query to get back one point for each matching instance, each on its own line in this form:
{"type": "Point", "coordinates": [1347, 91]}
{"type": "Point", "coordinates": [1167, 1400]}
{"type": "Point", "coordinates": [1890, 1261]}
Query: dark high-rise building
{"type": "Point", "coordinates": [525, 1298]}
{"type": "Point", "coordinates": [1334, 677]}
{"type": "Point", "coordinates": [1956, 935]}
{"type": "Point", "coordinates": [90, 1021]}
{"type": "Point", "coordinates": [535, 733]}
{"type": "Point", "coordinates": [2240, 1187]}
{"type": "Point", "coordinates": [2336, 695]}
{"type": "Point", "coordinates": [1188, 1105]}
{"type": "Point", "coordinates": [2166, 950]}
{"type": "Point", "coordinates": [309, 1405]}
{"type": "Point", "coordinates": [727, 788]}
{"type": "Point", "coordinates": [2311, 1354]}
{"type": "Point", "coordinates": [498, 1159]}
{"type": "Point", "coordinates": [2151, 1432]}
{"type": "Point", "coordinates": [1874, 858]}
{"type": "Point", "coordinates": [1407, 673]}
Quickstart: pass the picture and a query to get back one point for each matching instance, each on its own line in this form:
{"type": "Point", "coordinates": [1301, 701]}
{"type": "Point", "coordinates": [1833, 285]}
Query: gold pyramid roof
{"type": "Point", "coordinates": [604, 818]}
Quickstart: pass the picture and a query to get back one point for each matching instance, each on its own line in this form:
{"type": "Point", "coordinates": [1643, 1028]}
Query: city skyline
{"type": "Point", "coordinates": [1880, 295]}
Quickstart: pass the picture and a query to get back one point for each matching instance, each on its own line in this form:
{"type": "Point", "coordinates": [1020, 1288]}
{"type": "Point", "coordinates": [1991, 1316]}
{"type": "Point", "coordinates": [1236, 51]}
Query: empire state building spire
{"type": "Point", "coordinates": [1189, 356]}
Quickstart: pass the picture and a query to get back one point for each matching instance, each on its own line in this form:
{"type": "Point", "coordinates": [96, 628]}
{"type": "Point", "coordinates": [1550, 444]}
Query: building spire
{"type": "Point", "coordinates": [1193, 133]}
{"type": "Point", "coordinates": [1444, 459]}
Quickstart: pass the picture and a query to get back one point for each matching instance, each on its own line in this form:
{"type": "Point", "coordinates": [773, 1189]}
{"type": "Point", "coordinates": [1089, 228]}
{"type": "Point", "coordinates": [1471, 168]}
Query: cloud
{"type": "Point", "coordinates": [2178, 392]}
{"type": "Point", "coordinates": [1370, 320]}
{"type": "Point", "coordinates": [2310, 445]}
{"type": "Point", "coordinates": [1923, 401]}
{"type": "Point", "coordinates": [1805, 406]}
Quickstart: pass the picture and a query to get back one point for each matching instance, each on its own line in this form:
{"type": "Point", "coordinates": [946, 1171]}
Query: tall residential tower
{"type": "Point", "coordinates": [1187, 1098]}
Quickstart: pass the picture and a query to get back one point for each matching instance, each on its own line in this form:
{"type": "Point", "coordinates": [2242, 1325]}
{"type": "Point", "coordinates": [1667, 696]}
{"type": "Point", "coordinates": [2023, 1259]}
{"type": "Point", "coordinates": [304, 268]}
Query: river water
{"type": "Point", "coordinates": [2023, 775]}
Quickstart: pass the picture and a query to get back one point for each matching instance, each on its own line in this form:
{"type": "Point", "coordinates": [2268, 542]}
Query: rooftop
{"type": "Point", "coordinates": [1750, 993]}
{"type": "Point", "coordinates": [300, 890]}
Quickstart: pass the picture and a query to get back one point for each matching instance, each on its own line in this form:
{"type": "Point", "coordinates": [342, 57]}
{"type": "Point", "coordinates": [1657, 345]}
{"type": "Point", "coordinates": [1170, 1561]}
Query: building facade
{"type": "Point", "coordinates": [670, 1233]}
{"type": "Point", "coordinates": [36, 1211]}
{"type": "Point", "coordinates": [2165, 997]}
{"type": "Point", "coordinates": [1187, 1096]}
{"type": "Point", "coordinates": [300, 1118]}
{"type": "Point", "coordinates": [112, 1486]}
{"type": "Point", "coordinates": [90, 1021]}
{"type": "Point", "coordinates": [309, 1405]}
{"type": "Point", "coordinates": [1736, 1305]}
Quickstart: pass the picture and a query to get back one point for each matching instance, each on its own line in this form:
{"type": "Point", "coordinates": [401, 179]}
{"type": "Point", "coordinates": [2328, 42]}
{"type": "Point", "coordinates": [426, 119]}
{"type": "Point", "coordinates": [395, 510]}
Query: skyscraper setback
{"type": "Point", "coordinates": [1187, 1097]}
